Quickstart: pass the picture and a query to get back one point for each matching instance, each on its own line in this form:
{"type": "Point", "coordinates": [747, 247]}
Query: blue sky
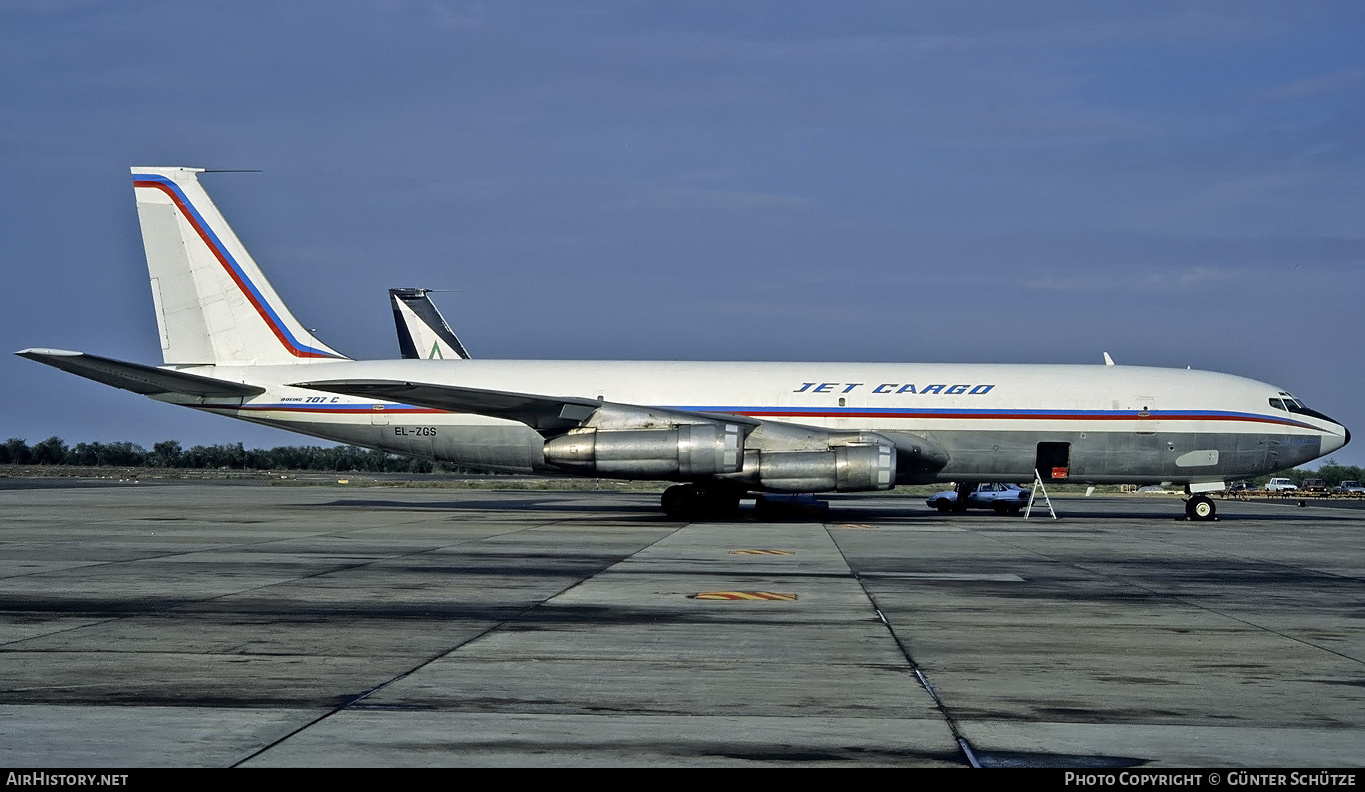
{"type": "Point", "coordinates": [1179, 184]}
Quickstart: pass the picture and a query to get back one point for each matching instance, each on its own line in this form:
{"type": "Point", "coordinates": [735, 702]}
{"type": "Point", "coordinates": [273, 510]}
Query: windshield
{"type": "Point", "coordinates": [1290, 404]}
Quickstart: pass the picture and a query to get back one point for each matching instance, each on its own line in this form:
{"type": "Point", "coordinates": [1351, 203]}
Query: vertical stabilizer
{"type": "Point", "coordinates": [422, 331]}
{"type": "Point", "coordinates": [213, 304]}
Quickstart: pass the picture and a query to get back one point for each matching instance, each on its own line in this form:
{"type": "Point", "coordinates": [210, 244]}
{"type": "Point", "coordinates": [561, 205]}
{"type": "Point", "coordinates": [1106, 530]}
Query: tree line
{"type": "Point", "coordinates": [233, 456]}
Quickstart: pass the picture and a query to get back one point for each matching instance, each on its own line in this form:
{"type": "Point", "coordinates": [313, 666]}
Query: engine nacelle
{"type": "Point", "coordinates": [851, 468]}
{"type": "Point", "coordinates": [687, 450]}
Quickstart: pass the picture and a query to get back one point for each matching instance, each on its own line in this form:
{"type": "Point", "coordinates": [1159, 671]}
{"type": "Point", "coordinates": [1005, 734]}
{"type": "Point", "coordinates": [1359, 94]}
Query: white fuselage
{"type": "Point", "coordinates": [1119, 423]}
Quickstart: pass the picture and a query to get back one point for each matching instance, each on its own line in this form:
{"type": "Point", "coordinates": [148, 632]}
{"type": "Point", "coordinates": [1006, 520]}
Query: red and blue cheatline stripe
{"type": "Point", "coordinates": [330, 409]}
{"type": "Point", "coordinates": [1018, 415]}
{"type": "Point", "coordinates": [848, 412]}
{"type": "Point", "coordinates": [230, 265]}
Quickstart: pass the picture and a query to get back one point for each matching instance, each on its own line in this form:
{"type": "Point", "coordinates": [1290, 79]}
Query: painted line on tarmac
{"type": "Point", "coordinates": [1002, 577]}
{"type": "Point", "coordinates": [743, 595]}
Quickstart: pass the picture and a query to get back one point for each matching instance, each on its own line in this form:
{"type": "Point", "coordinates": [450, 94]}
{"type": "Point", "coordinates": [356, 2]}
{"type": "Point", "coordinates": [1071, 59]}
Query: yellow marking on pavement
{"type": "Point", "coordinates": [743, 595]}
{"type": "Point", "coordinates": [760, 552]}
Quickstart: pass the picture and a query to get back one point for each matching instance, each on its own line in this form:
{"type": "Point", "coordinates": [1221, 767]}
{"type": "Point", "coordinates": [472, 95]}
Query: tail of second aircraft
{"type": "Point", "coordinates": [422, 331]}
{"type": "Point", "coordinates": [213, 304]}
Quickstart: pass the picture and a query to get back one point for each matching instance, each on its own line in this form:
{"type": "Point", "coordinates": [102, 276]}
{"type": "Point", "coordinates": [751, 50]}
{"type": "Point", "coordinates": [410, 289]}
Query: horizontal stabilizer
{"type": "Point", "coordinates": [135, 377]}
{"type": "Point", "coordinates": [546, 414]}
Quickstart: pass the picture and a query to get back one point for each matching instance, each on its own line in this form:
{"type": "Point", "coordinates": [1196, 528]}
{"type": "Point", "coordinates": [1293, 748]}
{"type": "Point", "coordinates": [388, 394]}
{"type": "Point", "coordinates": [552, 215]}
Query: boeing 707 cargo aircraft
{"type": "Point", "coordinates": [720, 430]}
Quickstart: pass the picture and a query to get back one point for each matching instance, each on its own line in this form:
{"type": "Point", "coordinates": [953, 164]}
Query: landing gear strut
{"type": "Point", "coordinates": [690, 501]}
{"type": "Point", "coordinates": [964, 496]}
{"type": "Point", "coordinates": [1200, 508]}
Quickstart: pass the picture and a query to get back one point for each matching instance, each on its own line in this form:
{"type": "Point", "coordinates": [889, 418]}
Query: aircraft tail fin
{"type": "Point", "coordinates": [213, 303]}
{"type": "Point", "coordinates": [422, 331]}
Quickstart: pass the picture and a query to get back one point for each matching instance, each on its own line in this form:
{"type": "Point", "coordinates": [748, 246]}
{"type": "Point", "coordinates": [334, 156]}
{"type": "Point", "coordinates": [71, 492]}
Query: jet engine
{"type": "Point", "coordinates": [684, 451]}
{"type": "Point", "coordinates": [850, 468]}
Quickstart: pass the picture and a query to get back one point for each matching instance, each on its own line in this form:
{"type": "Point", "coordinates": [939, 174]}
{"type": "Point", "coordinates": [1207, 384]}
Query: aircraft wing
{"type": "Point", "coordinates": [555, 415]}
{"type": "Point", "coordinates": [546, 414]}
{"type": "Point", "coordinates": [135, 377]}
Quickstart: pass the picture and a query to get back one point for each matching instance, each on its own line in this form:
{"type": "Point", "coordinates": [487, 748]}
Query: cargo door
{"type": "Point", "coordinates": [1053, 461]}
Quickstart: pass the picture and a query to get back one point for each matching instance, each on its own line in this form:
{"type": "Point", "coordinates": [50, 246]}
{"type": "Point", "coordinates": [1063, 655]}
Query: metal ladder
{"type": "Point", "coordinates": [1038, 485]}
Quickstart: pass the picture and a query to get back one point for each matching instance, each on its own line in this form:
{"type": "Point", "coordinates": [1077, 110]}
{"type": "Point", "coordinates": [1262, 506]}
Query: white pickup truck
{"type": "Point", "coordinates": [1281, 485]}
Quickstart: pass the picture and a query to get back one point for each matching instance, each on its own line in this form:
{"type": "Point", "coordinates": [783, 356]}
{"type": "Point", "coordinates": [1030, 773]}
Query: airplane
{"type": "Point", "coordinates": [720, 431]}
{"type": "Point", "coordinates": [422, 331]}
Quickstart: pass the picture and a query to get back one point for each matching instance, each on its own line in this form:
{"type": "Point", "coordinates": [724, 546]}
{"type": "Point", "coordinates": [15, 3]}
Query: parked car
{"type": "Point", "coordinates": [1281, 485]}
{"type": "Point", "coordinates": [1350, 488]}
{"type": "Point", "coordinates": [1004, 498]}
{"type": "Point", "coordinates": [1243, 486]}
{"type": "Point", "coordinates": [1315, 485]}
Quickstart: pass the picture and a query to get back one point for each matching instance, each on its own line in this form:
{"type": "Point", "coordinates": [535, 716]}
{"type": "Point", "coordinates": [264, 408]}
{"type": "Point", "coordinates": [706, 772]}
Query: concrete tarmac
{"type": "Point", "coordinates": [208, 624]}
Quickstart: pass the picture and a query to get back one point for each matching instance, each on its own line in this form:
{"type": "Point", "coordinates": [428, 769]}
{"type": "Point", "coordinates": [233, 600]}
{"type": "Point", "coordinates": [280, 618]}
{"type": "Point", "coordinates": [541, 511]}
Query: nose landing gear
{"type": "Point", "coordinates": [1201, 508]}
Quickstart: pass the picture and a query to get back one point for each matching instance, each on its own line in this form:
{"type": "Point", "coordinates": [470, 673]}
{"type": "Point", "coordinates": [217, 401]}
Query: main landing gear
{"type": "Point", "coordinates": [1200, 508]}
{"type": "Point", "coordinates": [691, 501]}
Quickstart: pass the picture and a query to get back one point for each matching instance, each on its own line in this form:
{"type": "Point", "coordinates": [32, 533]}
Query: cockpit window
{"type": "Point", "coordinates": [1293, 405]}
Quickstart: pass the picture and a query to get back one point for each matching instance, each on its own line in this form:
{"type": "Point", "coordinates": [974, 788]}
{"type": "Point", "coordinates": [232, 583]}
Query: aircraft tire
{"type": "Point", "coordinates": [674, 499]}
{"type": "Point", "coordinates": [1201, 508]}
{"type": "Point", "coordinates": [689, 501]}
{"type": "Point", "coordinates": [720, 502]}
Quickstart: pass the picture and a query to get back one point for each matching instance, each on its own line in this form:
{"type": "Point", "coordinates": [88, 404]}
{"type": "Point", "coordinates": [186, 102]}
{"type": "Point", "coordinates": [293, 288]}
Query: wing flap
{"type": "Point", "coordinates": [135, 377]}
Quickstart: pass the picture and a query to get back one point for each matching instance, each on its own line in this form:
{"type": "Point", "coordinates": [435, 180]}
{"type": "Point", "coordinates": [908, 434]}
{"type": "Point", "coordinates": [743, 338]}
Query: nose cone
{"type": "Point", "coordinates": [1331, 441]}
